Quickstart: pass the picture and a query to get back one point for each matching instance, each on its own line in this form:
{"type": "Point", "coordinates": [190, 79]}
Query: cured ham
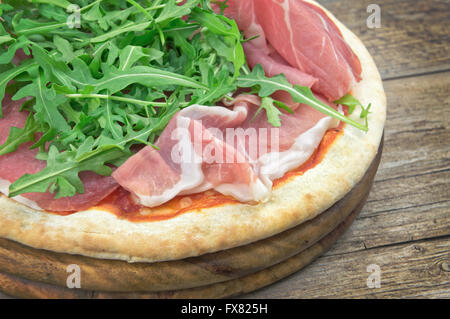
{"type": "Point", "coordinates": [180, 165]}
{"type": "Point", "coordinates": [305, 37]}
{"type": "Point", "coordinates": [229, 150]}
{"type": "Point", "coordinates": [23, 161]}
{"type": "Point", "coordinates": [245, 15]}
{"type": "Point", "coordinates": [274, 64]}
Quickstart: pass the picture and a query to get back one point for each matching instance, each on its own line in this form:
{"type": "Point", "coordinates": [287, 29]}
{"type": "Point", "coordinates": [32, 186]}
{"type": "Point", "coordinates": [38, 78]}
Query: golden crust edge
{"type": "Point", "coordinates": [102, 235]}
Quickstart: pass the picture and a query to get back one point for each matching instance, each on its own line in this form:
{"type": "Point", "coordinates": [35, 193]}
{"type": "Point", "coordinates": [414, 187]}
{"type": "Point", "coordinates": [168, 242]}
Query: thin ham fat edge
{"type": "Point", "coordinates": [248, 181]}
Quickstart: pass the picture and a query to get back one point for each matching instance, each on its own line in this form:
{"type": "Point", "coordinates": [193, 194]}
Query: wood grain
{"type": "Point", "coordinates": [408, 271]}
{"type": "Point", "coordinates": [23, 288]}
{"type": "Point", "coordinates": [413, 38]}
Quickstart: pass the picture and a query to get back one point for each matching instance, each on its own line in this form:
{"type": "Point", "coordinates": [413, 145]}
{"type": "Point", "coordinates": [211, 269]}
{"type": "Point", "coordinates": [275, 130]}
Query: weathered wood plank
{"type": "Point", "coordinates": [408, 192]}
{"type": "Point", "coordinates": [417, 132]}
{"type": "Point", "coordinates": [407, 271]}
{"type": "Point", "coordinates": [413, 38]}
{"type": "Point", "coordinates": [410, 199]}
{"type": "Point", "coordinates": [394, 227]}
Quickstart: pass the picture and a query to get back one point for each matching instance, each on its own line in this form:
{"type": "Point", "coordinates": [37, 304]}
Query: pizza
{"type": "Point", "coordinates": [152, 134]}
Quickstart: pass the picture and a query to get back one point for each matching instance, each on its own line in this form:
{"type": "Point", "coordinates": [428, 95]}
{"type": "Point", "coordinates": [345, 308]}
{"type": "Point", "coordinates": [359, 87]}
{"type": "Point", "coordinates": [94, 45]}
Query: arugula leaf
{"type": "Point", "coordinates": [131, 26]}
{"type": "Point", "coordinates": [62, 172]}
{"type": "Point", "coordinates": [10, 75]}
{"type": "Point", "coordinates": [267, 86]}
{"type": "Point", "coordinates": [47, 102]}
{"type": "Point", "coordinates": [5, 39]}
{"type": "Point", "coordinates": [28, 27]}
{"type": "Point", "coordinates": [351, 102]}
{"type": "Point", "coordinates": [5, 7]}
{"type": "Point", "coordinates": [173, 10]}
{"type": "Point", "coordinates": [115, 80]}
{"type": "Point", "coordinates": [273, 114]}
{"type": "Point", "coordinates": [111, 121]}
{"type": "Point", "coordinates": [131, 54]}
{"type": "Point", "coordinates": [66, 49]}
{"type": "Point", "coordinates": [60, 3]}
{"type": "Point", "coordinates": [230, 45]}
{"type": "Point", "coordinates": [19, 43]}
{"type": "Point", "coordinates": [18, 136]}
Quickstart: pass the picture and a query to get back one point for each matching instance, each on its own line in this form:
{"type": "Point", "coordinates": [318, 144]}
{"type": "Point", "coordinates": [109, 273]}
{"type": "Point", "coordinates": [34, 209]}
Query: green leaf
{"type": "Point", "coordinates": [220, 84]}
{"type": "Point", "coordinates": [351, 102]}
{"type": "Point", "coordinates": [5, 39]}
{"type": "Point", "coordinates": [62, 172]}
{"type": "Point", "coordinates": [130, 55]}
{"type": "Point", "coordinates": [60, 3]}
{"type": "Point", "coordinates": [26, 27]}
{"type": "Point", "coordinates": [11, 74]}
{"type": "Point", "coordinates": [53, 13]}
{"type": "Point", "coordinates": [120, 30]}
{"type": "Point", "coordinates": [65, 48]}
{"type": "Point", "coordinates": [267, 86]}
{"type": "Point", "coordinates": [55, 70]}
{"type": "Point", "coordinates": [173, 10]}
{"type": "Point", "coordinates": [115, 80]}
{"type": "Point", "coordinates": [230, 45]}
{"type": "Point", "coordinates": [5, 7]}
{"type": "Point", "coordinates": [18, 136]}
{"type": "Point", "coordinates": [272, 112]}
{"type": "Point", "coordinates": [47, 102]}
{"type": "Point", "coordinates": [20, 43]}
{"type": "Point", "coordinates": [111, 120]}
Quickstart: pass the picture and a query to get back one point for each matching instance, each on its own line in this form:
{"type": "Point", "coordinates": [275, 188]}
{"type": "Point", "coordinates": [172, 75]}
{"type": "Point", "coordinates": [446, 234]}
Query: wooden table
{"type": "Point", "coordinates": [405, 226]}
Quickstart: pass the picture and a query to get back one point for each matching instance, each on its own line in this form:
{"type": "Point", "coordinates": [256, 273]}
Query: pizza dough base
{"type": "Point", "coordinates": [101, 234]}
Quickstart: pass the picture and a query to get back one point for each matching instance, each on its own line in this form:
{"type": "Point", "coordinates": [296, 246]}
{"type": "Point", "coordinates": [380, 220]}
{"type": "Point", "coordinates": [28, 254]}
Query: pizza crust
{"type": "Point", "coordinates": [101, 234]}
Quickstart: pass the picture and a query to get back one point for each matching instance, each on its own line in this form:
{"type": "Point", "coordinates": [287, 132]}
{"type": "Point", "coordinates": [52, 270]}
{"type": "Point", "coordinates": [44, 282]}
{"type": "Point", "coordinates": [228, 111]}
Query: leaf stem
{"type": "Point", "coordinates": [119, 99]}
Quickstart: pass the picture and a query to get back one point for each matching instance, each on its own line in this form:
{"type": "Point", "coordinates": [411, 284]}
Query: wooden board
{"type": "Point", "coordinates": [16, 286]}
{"type": "Point", "coordinates": [28, 272]}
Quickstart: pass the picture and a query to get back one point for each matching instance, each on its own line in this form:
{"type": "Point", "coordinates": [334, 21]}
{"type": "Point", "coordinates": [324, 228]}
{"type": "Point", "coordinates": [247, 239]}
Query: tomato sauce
{"type": "Point", "coordinates": [122, 204]}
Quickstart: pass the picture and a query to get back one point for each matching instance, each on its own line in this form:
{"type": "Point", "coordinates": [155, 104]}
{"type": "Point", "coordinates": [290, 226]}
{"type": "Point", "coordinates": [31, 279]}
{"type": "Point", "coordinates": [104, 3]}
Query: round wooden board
{"type": "Point", "coordinates": [32, 273]}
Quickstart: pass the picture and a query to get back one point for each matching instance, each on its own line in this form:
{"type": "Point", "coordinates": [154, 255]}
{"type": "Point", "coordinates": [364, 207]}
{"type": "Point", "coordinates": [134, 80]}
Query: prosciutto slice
{"type": "Point", "coordinates": [304, 36]}
{"type": "Point", "coordinates": [245, 15]}
{"type": "Point", "coordinates": [274, 64]}
{"type": "Point", "coordinates": [229, 150]}
{"type": "Point", "coordinates": [23, 161]}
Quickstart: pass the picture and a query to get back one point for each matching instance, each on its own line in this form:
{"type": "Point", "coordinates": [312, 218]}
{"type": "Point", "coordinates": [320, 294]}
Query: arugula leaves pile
{"type": "Point", "coordinates": [116, 81]}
